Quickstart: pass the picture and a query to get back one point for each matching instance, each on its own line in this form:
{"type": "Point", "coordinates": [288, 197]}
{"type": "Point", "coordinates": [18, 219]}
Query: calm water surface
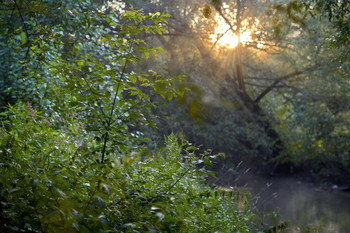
{"type": "Point", "coordinates": [304, 205]}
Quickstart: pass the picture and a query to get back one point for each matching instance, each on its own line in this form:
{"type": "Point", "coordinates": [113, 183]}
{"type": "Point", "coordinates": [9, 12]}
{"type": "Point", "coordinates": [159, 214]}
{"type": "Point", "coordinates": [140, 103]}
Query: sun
{"type": "Point", "coordinates": [230, 40]}
{"type": "Point", "coordinates": [224, 37]}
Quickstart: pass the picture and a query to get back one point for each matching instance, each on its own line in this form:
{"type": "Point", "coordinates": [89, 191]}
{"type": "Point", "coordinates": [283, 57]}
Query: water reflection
{"type": "Point", "coordinates": [306, 207]}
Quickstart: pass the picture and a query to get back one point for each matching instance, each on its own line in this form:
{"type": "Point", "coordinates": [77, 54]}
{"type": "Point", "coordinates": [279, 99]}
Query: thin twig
{"type": "Point", "coordinates": [25, 29]}
{"type": "Point", "coordinates": [217, 40]}
{"type": "Point", "coordinates": [110, 121]}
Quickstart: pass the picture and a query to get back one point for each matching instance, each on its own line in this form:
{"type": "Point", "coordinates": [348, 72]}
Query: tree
{"type": "Point", "coordinates": [74, 161]}
{"type": "Point", "coordinates": [83, 59]}
{"type": "Point", "coordinates": [236, 91]}
{"type": "Point", "coordinates": [338, 14]}
{"type": "Point", "coordinates": [234, 87]}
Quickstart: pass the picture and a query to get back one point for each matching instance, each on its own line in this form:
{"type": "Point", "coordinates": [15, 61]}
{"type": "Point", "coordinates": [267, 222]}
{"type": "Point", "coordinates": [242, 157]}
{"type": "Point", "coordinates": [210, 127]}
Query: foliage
{"type": "Point", "coordinates": [72, 154]}
{"type": "Point", "coordinates": [32, 33]}
{"type": "Point", "coordinates": [260, 119]}
{"type": "Point", "coordinates": [338, 14]}
{"type": "Point", "coordinates": [224, 129]}
{"type": "Point", "coordinates": [316, 128]}
{"type": "Point", "coordinates": [216, 113]}
{"type": "Point", "coordinates": [84, 61]}
{"type": "Point", "coordinates": [79, 82]}
{"type": "Point", "coordinates": [50, 182]}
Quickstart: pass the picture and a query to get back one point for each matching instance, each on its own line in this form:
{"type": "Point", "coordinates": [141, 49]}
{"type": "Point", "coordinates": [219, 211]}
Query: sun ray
{"type": "Point", "coordinates": [224, 36]}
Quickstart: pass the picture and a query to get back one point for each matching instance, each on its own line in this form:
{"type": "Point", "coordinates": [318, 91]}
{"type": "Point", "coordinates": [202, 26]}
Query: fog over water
{"type": "Point", "coordinates": [304, 205]}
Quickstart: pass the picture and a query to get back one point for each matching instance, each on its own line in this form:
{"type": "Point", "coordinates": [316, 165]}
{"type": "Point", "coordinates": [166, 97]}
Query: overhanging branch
{"type": "Point", "coordinates": [278, 80]}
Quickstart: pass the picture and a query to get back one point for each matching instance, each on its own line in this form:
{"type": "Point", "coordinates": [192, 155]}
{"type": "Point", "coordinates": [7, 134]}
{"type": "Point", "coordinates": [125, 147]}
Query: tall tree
{"type": "Point", "coordinates": [286, 45]}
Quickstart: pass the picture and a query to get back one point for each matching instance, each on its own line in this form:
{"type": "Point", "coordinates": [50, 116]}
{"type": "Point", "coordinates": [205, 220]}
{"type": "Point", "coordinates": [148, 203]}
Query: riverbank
{"type": "Point", "coordinates": [306, 206]}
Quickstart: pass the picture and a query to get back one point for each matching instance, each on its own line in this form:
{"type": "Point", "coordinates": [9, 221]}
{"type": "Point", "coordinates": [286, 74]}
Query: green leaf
{"type": "Point", "coordinates": [133, 78]}
{"type": "Point", "coordinates": [23, 37]}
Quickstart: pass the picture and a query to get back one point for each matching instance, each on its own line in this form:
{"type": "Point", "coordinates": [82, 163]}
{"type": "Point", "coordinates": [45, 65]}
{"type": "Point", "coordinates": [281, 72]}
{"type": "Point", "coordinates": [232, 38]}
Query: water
{"type": "Point", "coordinates": [305, 206]}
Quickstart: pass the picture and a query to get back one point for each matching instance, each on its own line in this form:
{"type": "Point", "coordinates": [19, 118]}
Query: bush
{"type": "Point", "coordinates": [51, 182]}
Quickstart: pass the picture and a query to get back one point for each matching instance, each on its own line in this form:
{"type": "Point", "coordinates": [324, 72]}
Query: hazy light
{"type": "Point", "coordinates": [226, 38]}
{"type": "Point", "coordinates": [115, 5]}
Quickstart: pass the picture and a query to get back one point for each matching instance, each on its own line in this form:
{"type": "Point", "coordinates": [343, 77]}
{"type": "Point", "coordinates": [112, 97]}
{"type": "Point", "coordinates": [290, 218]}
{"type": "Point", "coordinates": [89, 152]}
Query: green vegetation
{"type": "Point", "coordinates": [279, 100]}
{"type": "Point", "coordinates": [91, 92]}
{"type": "Point", "coordinates": [50, 182]}
{"type": "Point", "coordinates": [72, 152]}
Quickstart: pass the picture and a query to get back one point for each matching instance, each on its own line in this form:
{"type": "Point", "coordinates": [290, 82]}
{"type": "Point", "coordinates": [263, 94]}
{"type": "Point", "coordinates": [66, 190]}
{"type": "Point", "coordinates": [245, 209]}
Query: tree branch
{"type": "Point", "coordinates": [165, 43]}
{"type": "Point", "coordinates": [25, 28]}
{"type": "Point", "coordinates": [218, 9]}
{"type": "Point", "coordinates": [277, 81]}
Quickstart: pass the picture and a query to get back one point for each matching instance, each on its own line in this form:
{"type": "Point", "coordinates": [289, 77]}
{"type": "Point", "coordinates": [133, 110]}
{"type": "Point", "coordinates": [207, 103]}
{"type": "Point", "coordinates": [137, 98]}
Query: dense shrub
{"type": "Point", "coordinates": [51, 182]}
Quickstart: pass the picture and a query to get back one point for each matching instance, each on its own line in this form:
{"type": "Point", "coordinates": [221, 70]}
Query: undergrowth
{"type": "Point", "coordinates": [51, 181]}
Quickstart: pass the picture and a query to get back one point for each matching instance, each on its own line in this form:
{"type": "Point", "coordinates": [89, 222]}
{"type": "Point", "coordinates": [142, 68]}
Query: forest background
{"type": "Point", "coordinates": [88, 90]}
